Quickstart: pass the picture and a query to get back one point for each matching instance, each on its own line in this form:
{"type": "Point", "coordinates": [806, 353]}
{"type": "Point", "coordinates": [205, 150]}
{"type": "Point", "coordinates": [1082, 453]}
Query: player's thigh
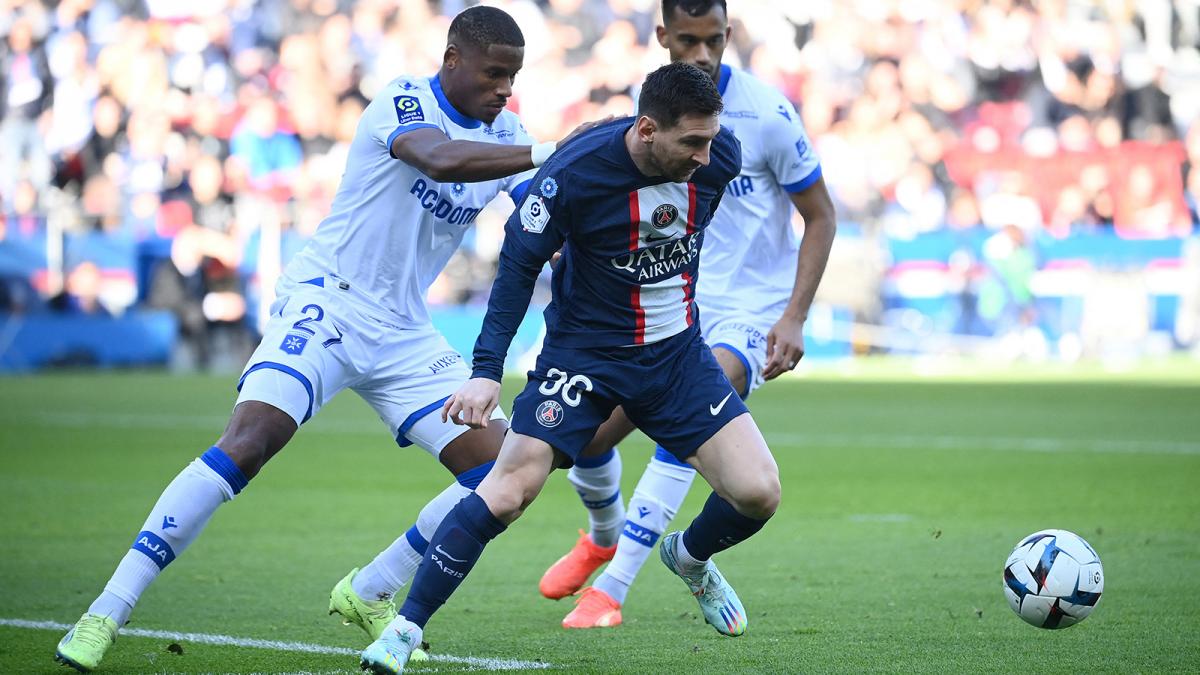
{"type": "Point", "coordinates": [415, 374]}
{"type": "Point", "coordinates": [614, 430]}
{"type": "Point", "coordinates": [473, 447]}
{"type": "Point", "coordinates": [740, 346]}
{"type": "Point", "coordinates": [688, 398]}
{"type": "Point", "coordinates": [567, 397]}
{"type": "Point", "coordinates": [305, 357]}
{"type": "Point", "coordinates": [518, 476]}
{"type": "Point", "coordinates": [739, 466]}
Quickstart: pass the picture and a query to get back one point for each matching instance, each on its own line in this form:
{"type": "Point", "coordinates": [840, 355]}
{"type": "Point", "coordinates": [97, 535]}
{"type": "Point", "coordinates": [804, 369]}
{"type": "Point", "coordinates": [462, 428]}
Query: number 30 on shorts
{"type": "Point", "coordinates": [571, 386]}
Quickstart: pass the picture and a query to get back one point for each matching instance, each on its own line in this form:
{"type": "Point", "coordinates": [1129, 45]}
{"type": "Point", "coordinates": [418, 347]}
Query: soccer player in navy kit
{"type": "Point", "coordinates": [758, 283]}
{"type": "Point", "coordinates": [627, 202]}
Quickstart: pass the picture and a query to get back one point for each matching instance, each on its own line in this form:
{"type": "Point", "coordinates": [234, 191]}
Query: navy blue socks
{"type": "Point", "coordinates": [717, 528]}
{"type": "Point", "coordinates": [452, 552]}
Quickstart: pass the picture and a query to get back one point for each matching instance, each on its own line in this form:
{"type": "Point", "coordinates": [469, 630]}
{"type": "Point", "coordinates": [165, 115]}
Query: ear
{"type": "Point", "coordinates": [661, 33]}
{"type": "Point", "coordinates": [646, 126]}
{"type": "Point", "coordinates": [451, 57]}
{"type": "Point", "coordinates": [728, 33]}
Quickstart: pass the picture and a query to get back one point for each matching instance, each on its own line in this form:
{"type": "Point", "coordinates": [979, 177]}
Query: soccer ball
{"type": "Point", "coordinates": [1053, 579]}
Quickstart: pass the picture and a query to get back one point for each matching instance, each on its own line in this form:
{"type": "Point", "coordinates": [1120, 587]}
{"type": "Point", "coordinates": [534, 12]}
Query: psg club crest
{"type": "Point", "coordinates": [664, 215]}
{"type": "Point", "coordinates": [549, 414]}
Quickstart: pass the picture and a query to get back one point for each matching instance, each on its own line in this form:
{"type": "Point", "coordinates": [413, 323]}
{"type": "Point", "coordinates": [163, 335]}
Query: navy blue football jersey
{"type": "Point", "coordinates": [631, 245]}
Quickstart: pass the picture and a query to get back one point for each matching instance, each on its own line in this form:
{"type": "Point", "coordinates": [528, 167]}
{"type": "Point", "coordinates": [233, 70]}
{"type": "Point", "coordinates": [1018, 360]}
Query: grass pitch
{"type": "Point", "coordinates": [902, 498]}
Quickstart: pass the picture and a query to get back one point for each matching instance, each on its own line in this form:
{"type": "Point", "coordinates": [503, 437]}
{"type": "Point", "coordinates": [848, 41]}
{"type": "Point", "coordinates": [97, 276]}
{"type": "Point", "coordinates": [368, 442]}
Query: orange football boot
{"type": "Point", "coordinates": [571, 572]}
{"type": "Point", "coordinates": [594, 609]}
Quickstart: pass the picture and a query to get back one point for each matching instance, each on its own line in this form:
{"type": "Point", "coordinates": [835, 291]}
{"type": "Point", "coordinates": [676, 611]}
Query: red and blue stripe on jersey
{"type": "Point", "coordinates": [664, 217]}
{"type": "Point", "coordinates": [630, 243]}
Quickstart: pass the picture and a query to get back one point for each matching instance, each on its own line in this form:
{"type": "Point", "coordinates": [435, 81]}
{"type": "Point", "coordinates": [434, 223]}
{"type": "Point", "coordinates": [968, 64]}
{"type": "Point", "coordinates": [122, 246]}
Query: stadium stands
{"type": "Point", "coordinates": [997, 155]}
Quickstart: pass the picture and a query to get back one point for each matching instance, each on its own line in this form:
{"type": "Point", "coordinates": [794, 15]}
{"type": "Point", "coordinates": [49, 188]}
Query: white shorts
{"type": "Point", "coordinates": [745, 336]}
{"type": "Point", "coordinates": [321, 339]}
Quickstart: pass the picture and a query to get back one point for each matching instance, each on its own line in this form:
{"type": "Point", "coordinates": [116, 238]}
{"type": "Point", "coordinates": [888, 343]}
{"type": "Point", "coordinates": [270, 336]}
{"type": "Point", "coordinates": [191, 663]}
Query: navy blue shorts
{"type": "Point", "coordinates": [673, 390]}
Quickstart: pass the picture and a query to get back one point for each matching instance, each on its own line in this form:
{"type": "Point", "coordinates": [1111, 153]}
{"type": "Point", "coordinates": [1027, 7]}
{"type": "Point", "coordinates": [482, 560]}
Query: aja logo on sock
{"type": "Point", "coordinates": [639, 534]}
{"type": "Point", "coordinates": [154, 547]}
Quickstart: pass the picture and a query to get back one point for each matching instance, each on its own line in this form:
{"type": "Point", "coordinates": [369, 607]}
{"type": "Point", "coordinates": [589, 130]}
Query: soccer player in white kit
{"type": "Point", "coordinates": [429, 153]}
{"type": "Point", "coordinates": [756, 285]}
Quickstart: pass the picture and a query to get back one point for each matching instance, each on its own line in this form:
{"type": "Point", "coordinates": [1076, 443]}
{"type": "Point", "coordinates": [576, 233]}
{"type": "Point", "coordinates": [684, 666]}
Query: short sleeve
{"type": "Point", "coordinates": [401, 107]}
{"type": "Point", "coordinates": [517, 184]}
{"type": "Point", "coordinates": [788, 150]}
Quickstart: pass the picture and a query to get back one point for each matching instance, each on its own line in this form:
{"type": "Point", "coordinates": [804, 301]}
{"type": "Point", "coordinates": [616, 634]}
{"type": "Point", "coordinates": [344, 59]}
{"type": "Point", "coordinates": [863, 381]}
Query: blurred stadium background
{"type": "Point", "coordinates": [1013, 179]}
{"type": "Point", "coordinates": [1017, 185]}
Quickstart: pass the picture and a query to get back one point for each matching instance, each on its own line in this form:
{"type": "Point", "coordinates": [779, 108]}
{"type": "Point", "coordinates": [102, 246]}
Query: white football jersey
{"type": "Point", "coordinates": [392, 229]}
{"type": "Point", "coordinates": [749, 259]}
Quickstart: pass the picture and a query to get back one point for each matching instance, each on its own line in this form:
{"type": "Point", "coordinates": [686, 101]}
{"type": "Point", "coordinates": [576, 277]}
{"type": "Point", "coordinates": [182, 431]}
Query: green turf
{"type": "Point", "coordinates": [902, 498]}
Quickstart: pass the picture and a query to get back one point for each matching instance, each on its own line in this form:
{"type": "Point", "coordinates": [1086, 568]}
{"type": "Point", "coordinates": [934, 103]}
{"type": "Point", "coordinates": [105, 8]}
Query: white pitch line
{"type": "Point", "coordinates": [281, 646]}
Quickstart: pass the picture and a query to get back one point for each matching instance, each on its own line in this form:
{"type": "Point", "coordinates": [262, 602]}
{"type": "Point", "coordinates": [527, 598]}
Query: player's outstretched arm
{"type": "Point", "coordinates": [435, 155]}
{"type": "Point", "coordinates": [785, 341]}
{"type": "Point", "coordinates": [473, 403]}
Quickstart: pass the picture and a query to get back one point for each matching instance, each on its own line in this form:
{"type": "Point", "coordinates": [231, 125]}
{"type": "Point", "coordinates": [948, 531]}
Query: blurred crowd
{"type": "Point", "coordinates": [185, 150]}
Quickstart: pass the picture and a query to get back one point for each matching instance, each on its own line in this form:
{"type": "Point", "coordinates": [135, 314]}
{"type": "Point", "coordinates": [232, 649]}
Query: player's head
{"type": "Point", "coordinates": [484, 51]}
{"type": "Point", "coordinates": [695, 32]}
{"type": "Point", "coordinates": [678, 119]}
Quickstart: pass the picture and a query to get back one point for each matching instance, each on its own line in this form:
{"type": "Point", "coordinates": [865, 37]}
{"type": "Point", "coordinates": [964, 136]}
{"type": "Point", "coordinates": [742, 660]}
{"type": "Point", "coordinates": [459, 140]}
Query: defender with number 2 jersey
{"type": "Point", "coordinates": [392, 229]}
{"type": "Point", "coordinates": [351, 307]}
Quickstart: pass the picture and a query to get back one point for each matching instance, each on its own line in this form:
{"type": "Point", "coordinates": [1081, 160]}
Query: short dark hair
{"type": "Point", "coordinates": [678, 89]}
{"type": "Point", "coordinates": [483, 27]}
{"type": "Point", "coordinates": [691, 7]}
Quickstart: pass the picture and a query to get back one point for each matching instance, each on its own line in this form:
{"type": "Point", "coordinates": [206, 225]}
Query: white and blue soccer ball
{"type": "Point", "coordinates": [1053, 579]}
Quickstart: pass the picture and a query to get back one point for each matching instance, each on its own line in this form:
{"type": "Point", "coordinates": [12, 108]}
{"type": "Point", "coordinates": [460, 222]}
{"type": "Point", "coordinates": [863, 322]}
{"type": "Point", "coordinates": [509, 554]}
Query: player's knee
{"type": "Point", "coordinates": [760, 498]}
{"type": "Point", "coordinates": [508, 505]}
{"type": "Point", "coordinates": [255, 433]}
{"type": "Point", "coordinates": [508, 494]}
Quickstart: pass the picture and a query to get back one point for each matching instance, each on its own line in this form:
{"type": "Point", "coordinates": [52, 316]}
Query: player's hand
{"type": "Point", "coordinates": [555, 258]}
{"type": "Point", "coordinates": [785, 346]}
{"type": "Point", "coordinates": [584, 127]}
{"type": "Point", "coordinates": [473, 403]}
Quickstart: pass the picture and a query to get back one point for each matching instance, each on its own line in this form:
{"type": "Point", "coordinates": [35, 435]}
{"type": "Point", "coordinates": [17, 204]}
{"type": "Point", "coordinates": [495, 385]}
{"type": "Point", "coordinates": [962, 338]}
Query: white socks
{"type": "Point", "coordinates": [396, 565]}
{"type": "Point", "coordinates": [598, 482]}
{"type": "Point", "coordinates": [656, 500]}
{"type": "Point", "coordinates": [175, 521]}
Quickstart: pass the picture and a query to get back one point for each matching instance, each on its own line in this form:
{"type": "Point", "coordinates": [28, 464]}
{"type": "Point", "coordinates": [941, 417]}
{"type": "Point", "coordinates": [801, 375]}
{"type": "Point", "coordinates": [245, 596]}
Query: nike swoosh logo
{"type": "Point", "coordinates": [716, 409]}
{"type": "Point", "coordinates": [651, 238]}
{"type": "Point", "coordinates": [441, 550]}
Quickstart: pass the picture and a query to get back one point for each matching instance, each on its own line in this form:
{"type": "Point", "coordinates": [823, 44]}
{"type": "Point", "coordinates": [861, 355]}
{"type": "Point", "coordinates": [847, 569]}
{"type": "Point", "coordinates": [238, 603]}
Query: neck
{"type": "Point", "coordinates": [447, 88]}
{"type": "Point", "coordinates": [639, 152]}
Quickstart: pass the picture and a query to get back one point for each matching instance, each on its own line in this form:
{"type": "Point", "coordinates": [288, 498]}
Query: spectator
{"type": "Point", "coordinates": [26, 88]}
{"type": "Point", "coordinates": [269, 153]}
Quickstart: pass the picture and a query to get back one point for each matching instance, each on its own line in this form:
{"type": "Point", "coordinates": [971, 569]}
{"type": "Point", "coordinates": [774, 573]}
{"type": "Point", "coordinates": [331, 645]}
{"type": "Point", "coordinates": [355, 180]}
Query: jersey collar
{"type": "Point", "coordinates": [723, 81]}
{"type": "Point", "coordinates": [460, 119]}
